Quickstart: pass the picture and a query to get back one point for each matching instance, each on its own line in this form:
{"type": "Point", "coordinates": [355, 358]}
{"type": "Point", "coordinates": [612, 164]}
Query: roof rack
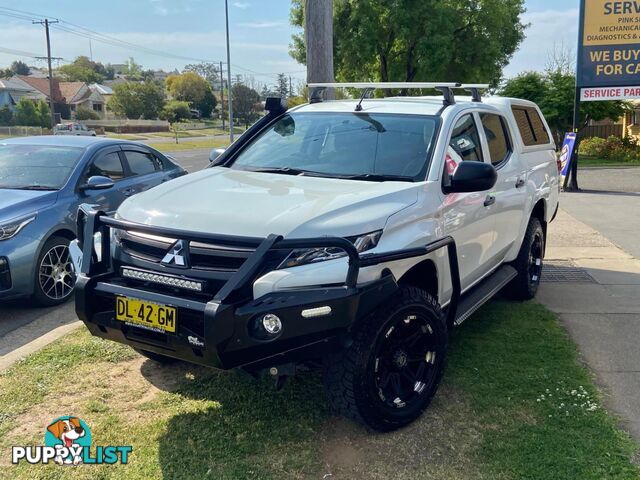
{"type": "Point", "coordinates": [317, 89]}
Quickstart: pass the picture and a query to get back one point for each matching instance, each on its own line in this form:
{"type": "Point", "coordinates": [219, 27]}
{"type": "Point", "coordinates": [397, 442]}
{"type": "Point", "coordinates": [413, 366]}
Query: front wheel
{"type": "Point", "coordinates": [387, 377]}
{"type": "Point", "coordinates": [55, 276]}
{"type": "Point", "coordinates": [528, 263]}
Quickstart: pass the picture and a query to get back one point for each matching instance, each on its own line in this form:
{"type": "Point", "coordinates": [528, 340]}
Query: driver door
{"type": "Point", "coordinates": [467, 217]}
{"type": "Point", "coordinates": [106, 163]}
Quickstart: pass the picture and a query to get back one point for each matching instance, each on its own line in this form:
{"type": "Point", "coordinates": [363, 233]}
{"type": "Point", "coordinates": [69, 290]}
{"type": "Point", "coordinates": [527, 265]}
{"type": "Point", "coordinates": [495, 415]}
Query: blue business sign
{"type": "Point", "coordinates": [565, 155]}
{"type": "Point", "coordinates": [609, 49]}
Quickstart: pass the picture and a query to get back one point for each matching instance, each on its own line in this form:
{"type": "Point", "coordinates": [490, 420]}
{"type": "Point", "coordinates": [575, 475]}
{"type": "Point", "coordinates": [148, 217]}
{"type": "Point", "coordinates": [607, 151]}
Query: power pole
{"type": "Point", "coordinates": [221, 96]}
{"type": "Point", "coordinates": [46, 22]}
{"type": "Point", "coordinates": [318, 38]}
{"type": "Point", "coordinates": [230, 96]}
{"type": "Point", "coordinates": [290, 87]}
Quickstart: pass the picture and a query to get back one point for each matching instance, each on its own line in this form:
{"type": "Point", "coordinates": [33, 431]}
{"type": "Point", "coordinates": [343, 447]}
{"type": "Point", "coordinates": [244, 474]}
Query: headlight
{"type": "Point", "coordinates": [11, 229]}
{"type": "Point", "coordinates": [313, 255]}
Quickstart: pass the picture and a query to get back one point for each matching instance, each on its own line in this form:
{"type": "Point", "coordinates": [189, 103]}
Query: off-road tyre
{"type": "Point", "coordinates": [528, 263]}
{"type": "Point", "coordinates": [354, 377]}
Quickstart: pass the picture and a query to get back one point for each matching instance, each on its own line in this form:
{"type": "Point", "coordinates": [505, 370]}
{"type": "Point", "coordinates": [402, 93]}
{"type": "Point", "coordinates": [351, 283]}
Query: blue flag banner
{"type": "Point", "coordinates": [565, 155]}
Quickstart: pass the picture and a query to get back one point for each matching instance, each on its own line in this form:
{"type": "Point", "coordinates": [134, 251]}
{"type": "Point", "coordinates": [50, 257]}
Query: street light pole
{"type": "Point", "coordinates": [229, 96]}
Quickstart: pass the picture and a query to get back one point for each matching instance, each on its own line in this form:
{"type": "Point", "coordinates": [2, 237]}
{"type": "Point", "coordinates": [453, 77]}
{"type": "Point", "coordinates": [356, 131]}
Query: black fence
{"type": "Point", "coordinates": [602, 131]}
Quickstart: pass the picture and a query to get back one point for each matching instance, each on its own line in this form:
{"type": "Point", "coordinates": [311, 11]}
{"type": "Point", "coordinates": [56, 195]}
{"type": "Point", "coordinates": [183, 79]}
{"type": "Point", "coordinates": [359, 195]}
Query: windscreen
{"type": "Point", "coordinates": [36, 167]}
{"type": "Point", "coordinates": [344, 144]}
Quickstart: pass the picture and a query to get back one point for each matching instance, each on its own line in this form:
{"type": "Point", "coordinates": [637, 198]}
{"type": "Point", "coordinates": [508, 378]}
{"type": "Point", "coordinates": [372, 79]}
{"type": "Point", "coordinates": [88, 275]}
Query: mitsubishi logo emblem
{"type": "Point", "coordinates": [177, 255]}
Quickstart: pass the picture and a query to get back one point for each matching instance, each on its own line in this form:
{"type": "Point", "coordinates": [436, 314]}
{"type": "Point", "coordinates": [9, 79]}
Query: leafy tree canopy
{"type": "Point", "coordinates": [420, 40]}
{"type": "Point", "coordinates": [20, 68]}
{"type": "Point", "coordinates": [82, 69]}
{"type": "Point", "coordinates": [137, 99]}
{"type": "Point", "coordinates": [246, 104]}
{"type": "Point", "coordinates": [207, 70]}
{"type": "Point", "coordinates": [191, 87]}
{"type": "Point", "coordinates": [32, 114]}
{"type": "Point", "coordinates": [554, 92]}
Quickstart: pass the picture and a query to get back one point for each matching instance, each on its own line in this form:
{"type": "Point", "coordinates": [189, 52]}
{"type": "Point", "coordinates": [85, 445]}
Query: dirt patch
{"type": "Point", "coordinates": [438, 445]}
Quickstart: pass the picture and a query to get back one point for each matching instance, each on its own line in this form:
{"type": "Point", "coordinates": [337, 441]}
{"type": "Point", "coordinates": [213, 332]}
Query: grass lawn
{"type": "Point", "coordinates": [586, 161]}
{"type": "Point", "coordinates": [515, 404]}
{"type": "Point", "coordinates": [168, 147]}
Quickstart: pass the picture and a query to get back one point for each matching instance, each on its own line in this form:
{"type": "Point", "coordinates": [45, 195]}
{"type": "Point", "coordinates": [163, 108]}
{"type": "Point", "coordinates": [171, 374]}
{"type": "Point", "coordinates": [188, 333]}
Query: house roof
{"type": "Point", "coordinates": [8, 84]}
{"type": "Point", "coordinates": [70, 90]}
{"type": "Point", "coordinates": [42, 85]}
{"type": "Point", "coordinates": [101, 89]}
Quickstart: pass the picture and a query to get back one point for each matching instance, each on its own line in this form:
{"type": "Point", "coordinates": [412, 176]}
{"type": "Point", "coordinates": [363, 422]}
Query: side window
{"type": "Point", "coordinates": [496, 130]}
{"type": "Point", "coordinates": [531, 126]}
{"type": "Point", "coordinates": [107, 165]}
{"type": "Point", "coordinates": [465, 141]}
{"type": "Point", "coordinates": [141, 163]}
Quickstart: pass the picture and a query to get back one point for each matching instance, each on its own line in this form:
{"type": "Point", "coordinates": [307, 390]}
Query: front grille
{"type": "Point", "coordinates": [206, 257]}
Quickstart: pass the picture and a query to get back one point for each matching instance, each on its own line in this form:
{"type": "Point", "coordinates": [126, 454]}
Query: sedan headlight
{"type": "Point", "coordinates": [10, 229]}
{"type": "Point", "coordinates": [314, 255]}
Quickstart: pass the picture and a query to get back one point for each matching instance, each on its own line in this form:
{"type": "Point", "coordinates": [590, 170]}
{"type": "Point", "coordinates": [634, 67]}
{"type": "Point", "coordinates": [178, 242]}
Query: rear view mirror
{"type": "Point", "coordinates": [472, 176]}
{"type": "Point", "coordinates": [97, 182]}
{"type": "Point", "coordinates": [215, 153]}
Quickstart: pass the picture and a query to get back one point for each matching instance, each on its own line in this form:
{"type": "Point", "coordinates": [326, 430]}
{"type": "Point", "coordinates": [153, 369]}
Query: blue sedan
{"type": "Point", "coordinates": [43, 180]}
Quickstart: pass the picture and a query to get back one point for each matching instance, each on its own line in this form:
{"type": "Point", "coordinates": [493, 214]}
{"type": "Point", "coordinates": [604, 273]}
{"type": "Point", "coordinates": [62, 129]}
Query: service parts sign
{"type": "Point", "coordinates": [609, 57]}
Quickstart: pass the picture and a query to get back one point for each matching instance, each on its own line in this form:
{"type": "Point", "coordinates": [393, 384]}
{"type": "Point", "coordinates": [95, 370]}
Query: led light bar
{"type": "Point", "coordinates": [162, 279]}
{"type": "Point", "coordinates": [316, 312]}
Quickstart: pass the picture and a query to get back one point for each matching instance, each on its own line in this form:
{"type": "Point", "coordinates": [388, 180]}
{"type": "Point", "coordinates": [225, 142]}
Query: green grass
{"type": "Point", "coordinates": [221, 425]}
{"type": "Point", "coordinates": [176, 147]}
{"type": "Point", "coordinates": [586, 161]}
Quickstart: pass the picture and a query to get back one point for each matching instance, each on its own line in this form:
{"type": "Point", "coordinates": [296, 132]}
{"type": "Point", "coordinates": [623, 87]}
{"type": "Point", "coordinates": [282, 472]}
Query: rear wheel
{"type": "Point", "coordinates": [528, 263]}
{"type": "Point", "coordinates": [387, 377]}
{"type": "Point", "coordinates": [55, 276]}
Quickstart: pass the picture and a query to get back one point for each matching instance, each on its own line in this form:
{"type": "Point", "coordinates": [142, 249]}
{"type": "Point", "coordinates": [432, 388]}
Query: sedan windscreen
{"type": "Point", "coordinates": [344, 145]}
{"type": "Point", "coordinates": [36, 167]}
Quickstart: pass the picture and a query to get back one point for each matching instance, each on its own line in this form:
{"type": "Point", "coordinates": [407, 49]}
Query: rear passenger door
{"type": "Point", "coordinates": [509, 192]}
{"type": "Point", "coordinates": [144, 169]}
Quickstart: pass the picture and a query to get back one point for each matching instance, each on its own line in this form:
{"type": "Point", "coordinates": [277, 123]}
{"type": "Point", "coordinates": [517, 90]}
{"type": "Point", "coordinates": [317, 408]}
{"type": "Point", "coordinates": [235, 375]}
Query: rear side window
{"type": "Point", "coordinates": [531, 126]}
{"type": "Point", "coordinates": [495, 129]}
{"type": "Point", "coordinates": [465, 140]}
{"type": "Point", "coordinates": [141, 163]}
{"type": "Point", "coordinates": [108, 165]}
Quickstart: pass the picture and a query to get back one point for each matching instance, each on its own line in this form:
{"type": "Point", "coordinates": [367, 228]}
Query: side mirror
{"type": "Point", "coordinates": [215, 153]}
{"type": "Point", "coordinates": [472, 177]}
{"type": "Point", "coordinates": [97, 182]}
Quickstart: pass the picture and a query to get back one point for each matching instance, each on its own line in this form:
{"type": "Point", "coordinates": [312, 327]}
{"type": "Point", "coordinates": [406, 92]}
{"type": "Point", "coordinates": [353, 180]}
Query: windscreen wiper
{"type": "Point", "coordinates": [377, 177]}
{"type": "Point", "coordinates": [30, 187]}
{"type": "Point", "coordinates": [288, 171]}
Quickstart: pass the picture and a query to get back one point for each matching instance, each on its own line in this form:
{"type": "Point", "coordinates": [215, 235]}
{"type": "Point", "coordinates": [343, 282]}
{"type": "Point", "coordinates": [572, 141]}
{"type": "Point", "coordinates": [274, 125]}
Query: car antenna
{"type": "Point", "coordinates": [365, 92]}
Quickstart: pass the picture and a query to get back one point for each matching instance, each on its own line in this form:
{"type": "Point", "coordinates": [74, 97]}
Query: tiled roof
{"type": "Point", "coordinates": [42, 85]}
{"type": "Point", "coordinates": [70, 89]}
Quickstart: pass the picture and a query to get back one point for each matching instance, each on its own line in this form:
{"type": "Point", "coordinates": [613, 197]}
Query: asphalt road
{"type": "Point", "coordinates": [19, 313]}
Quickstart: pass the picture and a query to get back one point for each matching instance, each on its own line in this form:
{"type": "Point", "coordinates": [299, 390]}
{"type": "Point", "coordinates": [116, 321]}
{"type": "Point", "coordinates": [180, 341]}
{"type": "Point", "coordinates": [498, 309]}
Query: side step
{"type": "Point", "coordinates": [483, 292]}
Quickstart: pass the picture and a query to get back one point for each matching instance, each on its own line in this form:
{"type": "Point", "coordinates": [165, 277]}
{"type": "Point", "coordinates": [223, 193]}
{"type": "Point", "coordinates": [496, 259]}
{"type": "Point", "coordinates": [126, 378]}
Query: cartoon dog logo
{"type": "Point", "coordinates": [67, 431]}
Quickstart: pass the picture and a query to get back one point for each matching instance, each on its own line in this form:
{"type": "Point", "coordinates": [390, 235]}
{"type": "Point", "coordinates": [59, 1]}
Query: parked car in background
{"type": "Point", "coordinates": [73, 129]}
{"type": "Point", "coordinates": [43, 180]}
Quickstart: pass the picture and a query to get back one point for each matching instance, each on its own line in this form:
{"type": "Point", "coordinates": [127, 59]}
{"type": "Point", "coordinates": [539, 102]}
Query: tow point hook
{"type": "Point", "coordinates": [281, 373]}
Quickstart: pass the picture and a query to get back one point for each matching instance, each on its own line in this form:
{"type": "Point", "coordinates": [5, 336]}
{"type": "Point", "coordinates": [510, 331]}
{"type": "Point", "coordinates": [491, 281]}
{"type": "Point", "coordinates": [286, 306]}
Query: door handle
{"type": "Point", "coordinates": [128, 192]}
{"type": "Point", "coordinates": [490, 200]}
{"type": "Point", "coordinates": [520, 182]}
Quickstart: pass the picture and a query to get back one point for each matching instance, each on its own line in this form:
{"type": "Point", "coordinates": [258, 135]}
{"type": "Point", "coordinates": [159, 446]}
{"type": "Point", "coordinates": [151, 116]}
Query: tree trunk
{"type": "Point", "coordinates": [318, 37]}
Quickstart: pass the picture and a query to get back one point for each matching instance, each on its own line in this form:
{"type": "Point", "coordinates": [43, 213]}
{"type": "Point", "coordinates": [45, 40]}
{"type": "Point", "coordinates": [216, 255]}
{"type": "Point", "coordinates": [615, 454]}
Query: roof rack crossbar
{"type": "Point", "coordinates": [446, 88]}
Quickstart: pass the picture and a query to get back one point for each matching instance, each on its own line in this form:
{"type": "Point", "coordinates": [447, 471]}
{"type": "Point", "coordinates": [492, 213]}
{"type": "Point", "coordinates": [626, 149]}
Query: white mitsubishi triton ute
{"type": "Point", "coordinates": [352, 234]}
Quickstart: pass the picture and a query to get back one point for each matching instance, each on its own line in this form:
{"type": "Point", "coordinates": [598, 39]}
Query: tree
{"type": "Point", "coordinates": [132, 70]}
{"type": "Point", "coordinates": [135, 100]}
{"type": "Point", "coordinates": [282, 86]}
{"type": "Point", "coordinates": [246, 104]}
{"type": "Point", "coordinates": [32, 114]}
{"type": "Point", "coordinates": [409, 40]}
{"type": "Point", "coordinates": [83, 113]}
{"type": "Point", "coordinates": [6, 116]}
{"type": "Point", "coordinates": [6, 73]}
{"type": "Point", "coordinates": [206, 70]}
{"type": "Point", "coordinates": [175, 111]}
{"type": "Point", "coordinates": [82, 69]}
{"type": "Point", "coordinates": [191, 87]}
{"type": "Point", "coordinates": [554, 92]}
{"type": "Point", "coordinates": [20, 68]}
{"type": "Point", "coordinates": [319, 41]}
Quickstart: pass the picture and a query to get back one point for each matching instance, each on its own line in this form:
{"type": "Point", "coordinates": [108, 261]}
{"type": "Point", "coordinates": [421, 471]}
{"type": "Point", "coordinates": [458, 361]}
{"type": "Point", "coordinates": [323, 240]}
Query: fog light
{"type": "Point", "coordinates": [272, 323]}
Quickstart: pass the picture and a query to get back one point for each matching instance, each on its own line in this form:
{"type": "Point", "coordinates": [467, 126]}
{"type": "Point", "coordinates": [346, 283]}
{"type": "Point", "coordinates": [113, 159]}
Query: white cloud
{"type": "Point", "coordinates": [261, 24]}
{"type": "Point", "coordinates": [242, 5]}
{"type": "Point", "coordinates": [547, 30]}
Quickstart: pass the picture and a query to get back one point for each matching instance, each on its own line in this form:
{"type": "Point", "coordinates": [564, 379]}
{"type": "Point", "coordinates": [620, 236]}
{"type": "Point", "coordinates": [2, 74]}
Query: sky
{"type": "Point", "coordinates": [167, 34]}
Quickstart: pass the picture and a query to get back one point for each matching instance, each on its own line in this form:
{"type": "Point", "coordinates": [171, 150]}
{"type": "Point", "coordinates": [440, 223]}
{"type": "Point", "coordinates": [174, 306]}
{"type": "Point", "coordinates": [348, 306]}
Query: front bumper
{"type": "Point", "coordinates": [17, 275]}
{"type": "Point", "coordinates": [221, 328]}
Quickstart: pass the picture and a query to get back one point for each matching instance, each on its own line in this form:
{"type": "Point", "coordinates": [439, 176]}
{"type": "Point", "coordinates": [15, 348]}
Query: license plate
{"type": "Point", "coordinates": [150, 315]}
